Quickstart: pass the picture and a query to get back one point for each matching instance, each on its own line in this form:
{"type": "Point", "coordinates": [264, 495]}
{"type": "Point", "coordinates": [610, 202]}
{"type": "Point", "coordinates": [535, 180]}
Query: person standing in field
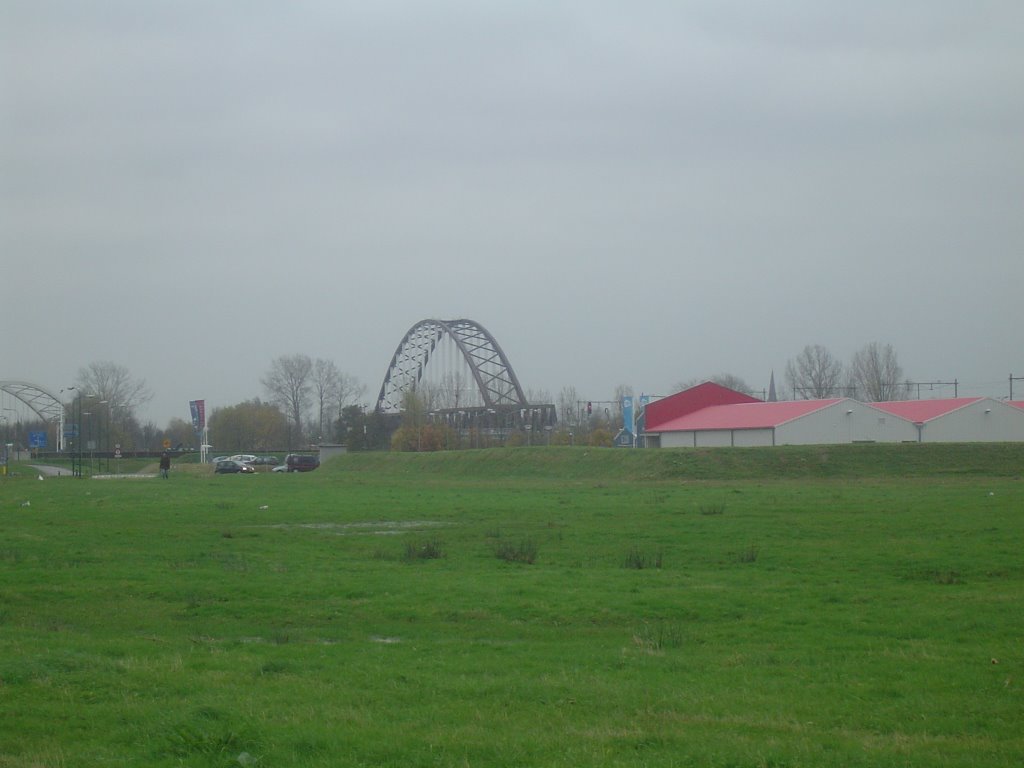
{"type": "Point", "coordinates": [165, 464]}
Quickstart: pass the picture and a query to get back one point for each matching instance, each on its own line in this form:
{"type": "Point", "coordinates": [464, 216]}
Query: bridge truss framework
{"type": "Point", "coordinates": [504, 404]}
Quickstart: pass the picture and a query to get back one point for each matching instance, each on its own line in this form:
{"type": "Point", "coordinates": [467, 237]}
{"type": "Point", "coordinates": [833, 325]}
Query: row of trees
{"type": "Point", "coordinates": [313, 393]}
{"type": "Point", "coordinates": [306, 402]}
{"type": "Point", "coordinates": [311, 400]}
{"type": "Point", "coordinates": [872, 375]}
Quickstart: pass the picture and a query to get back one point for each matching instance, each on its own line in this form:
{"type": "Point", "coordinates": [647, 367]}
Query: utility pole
{"type": "Point", "coordinates": [931, 385]}
{"type": "Point", "coordinates": [1013, 379]}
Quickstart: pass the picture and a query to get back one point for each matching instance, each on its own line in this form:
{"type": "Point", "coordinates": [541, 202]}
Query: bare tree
{"type": "Point", "coordinates": [106, 381]}
{"type": "Point", "coordinates": [814, 374]}
{"type": "Point", "coordinates": [568, 398]}
{"type": "Point", "coordinates": [621, 391]}
{"type": "Point", "coordinates": [538, 396]}
{"type": "Point", "coordinates": [348, 389]}
{"type": "Point", "coordinates": [450, 388]}
{"type": "Point", "coordinates": [324, 380]}
{"type": "Point", "coordinates": [876, 373]}
{"type": "Point", "coordinates": [288, 384]}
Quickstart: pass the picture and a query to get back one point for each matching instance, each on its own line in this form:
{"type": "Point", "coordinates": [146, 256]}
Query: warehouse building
{"type": "Point", "coordinates": [792, 422]}
{"type": "Point", "coordinates": [960, 420]}
{"type": "Point", "coordinates": [713, 416]}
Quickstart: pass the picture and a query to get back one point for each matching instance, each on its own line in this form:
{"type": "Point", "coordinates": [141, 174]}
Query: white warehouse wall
{"type": "Point", "coordinates": [847, 421]}
{"type": "Point", "coordinates": [985, 421]}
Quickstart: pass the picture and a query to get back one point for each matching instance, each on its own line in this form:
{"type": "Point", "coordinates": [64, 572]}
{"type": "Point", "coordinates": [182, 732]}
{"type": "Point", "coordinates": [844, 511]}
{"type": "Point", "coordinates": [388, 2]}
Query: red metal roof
{"type": "Point", "coordinates": [1018, 403]}
{"type": "Point", "coordinates": [920, 411]}
{"type": "Point", "coordinates": [755, 415]}
{"type": "Point", "coordinates": [689, 401]}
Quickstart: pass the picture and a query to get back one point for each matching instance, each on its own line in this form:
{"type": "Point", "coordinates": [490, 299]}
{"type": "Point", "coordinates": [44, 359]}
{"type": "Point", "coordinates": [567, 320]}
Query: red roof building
{"type": "Point", "coordinates": [960, 419]}
{"type": "Point", "coordinates": [711, 415]}
{"type": "Point", "coordinates": [925, 410]}
{"type": "Point", "coordinates": [690, 400]}
{"type": "Point", "coordinates": [791, 422]}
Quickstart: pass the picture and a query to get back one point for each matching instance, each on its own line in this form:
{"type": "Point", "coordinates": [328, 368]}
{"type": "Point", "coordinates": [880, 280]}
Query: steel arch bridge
{"type": "Point", "coordinates": [43, 403]}
{"type": "Point", "coordinates": [495, 380]}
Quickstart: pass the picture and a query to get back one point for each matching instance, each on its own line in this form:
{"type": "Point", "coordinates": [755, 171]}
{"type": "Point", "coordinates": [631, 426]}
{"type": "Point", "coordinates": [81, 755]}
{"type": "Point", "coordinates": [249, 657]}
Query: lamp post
{"type": "Point", "coordinates": [17, 429]}
{"type": "Point", "coordinates": [76, 467]}
{"type": "Point", "coordinates": [104, 444]}
{"type": "Point", "coordinates": [5, 454]}
{"type": "Point", "coordinates": [77, 472]}
{"type": "Point", "coordinates": [61, 442]}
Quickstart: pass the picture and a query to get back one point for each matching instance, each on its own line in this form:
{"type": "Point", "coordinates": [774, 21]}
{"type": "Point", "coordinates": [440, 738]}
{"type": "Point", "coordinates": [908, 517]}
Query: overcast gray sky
{"type": "Point", "coordinates": [622, 193]}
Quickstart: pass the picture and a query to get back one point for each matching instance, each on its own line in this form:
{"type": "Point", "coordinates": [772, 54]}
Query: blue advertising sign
{"type": "Point", "coordinates": [627, 413]}
{"type": "Point", "coordinates": [36, 439]}
{"type": "Point", "coordinates": [198, 411]}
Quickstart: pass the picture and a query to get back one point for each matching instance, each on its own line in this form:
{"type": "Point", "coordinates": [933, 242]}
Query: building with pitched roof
{"type": "Point", "coordinates": [710, 415]}
{"type": "Point", "coordinates": [960, 419]}
{"type": "Point", "coordinates": [790, 422]}
{"type": "Point", "coordinates": [690, 400]}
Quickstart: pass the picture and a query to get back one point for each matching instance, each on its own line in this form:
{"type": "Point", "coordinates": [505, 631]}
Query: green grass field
{"type": "Point", "coordinates": [841, 606]}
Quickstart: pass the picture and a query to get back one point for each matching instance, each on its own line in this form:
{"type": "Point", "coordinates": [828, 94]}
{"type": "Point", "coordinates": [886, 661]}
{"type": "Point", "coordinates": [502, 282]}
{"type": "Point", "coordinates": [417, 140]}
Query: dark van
{"type": "Point", "coordinates": [300, 462]}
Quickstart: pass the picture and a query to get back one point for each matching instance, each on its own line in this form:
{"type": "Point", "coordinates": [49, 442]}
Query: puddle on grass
{"type": "Point", "coordinates": [370, 528]}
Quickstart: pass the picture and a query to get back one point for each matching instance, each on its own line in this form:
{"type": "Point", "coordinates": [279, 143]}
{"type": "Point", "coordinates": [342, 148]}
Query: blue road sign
{"type": "Point", "coordinates": [36, 439]}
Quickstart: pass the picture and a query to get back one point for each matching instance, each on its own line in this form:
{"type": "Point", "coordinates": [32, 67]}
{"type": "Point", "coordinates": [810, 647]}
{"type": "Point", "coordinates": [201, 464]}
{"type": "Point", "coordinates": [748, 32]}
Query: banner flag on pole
{"type": "Point", "coordinates": [198, 408]}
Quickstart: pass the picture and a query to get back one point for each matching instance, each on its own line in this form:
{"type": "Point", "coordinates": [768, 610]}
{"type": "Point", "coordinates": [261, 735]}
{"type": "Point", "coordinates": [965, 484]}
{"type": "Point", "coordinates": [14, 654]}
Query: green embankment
{"type": "Point", "coordinates": [785, 462]}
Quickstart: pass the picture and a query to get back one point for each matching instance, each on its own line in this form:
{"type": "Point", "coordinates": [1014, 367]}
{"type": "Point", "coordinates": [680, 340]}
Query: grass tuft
{"type": "Point", "coordinates": [428, 549]}
{"type": "Point", "coordinates": [749, 555]}
{"type": "Point", "coordinates": [523, 552]}
{"type": "Point", "coordinates": [657, 637]}
{"type": "Point", "coordinates": [637, 560]}
{"type": "Point", "coordinates": [946, 577]}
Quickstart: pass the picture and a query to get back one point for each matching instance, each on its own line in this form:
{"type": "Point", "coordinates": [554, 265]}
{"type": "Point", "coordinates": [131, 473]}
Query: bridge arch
{"type": "Point", "coordinates": [491, 371]}
{"type": "Point", "coordinates": [40, 400]}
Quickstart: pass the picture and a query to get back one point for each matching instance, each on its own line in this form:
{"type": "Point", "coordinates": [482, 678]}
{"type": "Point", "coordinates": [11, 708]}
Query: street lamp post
{"type": "Point", "coordinates": [77, 472]}
{"type": "Point", "coordinates": [17, 431]}
{"type": "Point", "coordinates": [76, 466]}
{"type": "Point", "coordinates": [104, 444]}
{"type": "Point", "coordinates": [61, 441]}
{"type": "Point", "coordinates": [5, 454]}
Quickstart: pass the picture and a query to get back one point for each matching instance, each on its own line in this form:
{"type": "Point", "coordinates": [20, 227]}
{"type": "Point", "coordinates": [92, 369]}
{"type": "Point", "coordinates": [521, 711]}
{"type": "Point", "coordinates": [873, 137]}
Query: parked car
{"type": "Point", "coordinates": [247, 458]}
{"type": "Point", "coordinates": [280, 468]}
{"type": "Point", "coordinates": [232, 466]}
{"type": "Point", "coordinates": [301, 462]}
{"type": "Point", "coordinates": [265, 461]}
